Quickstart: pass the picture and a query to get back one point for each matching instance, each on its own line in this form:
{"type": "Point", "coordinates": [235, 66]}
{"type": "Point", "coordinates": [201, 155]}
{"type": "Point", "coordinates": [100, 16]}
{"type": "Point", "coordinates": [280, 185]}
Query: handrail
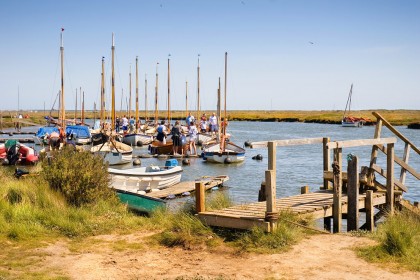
{"type": "Point", "coordinates": [361, 142]}
{"type": "Point", "coordinates": [396, 132]}
{"type": "Point", "coordinates": [288, 142]}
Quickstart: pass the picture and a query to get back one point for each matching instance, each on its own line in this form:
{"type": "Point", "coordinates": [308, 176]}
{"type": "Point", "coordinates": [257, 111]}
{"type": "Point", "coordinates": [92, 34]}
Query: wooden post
{"type": "Point", "coordinates": [327, 224]}
{"type": "Point", "coordinates": [353, 194]}
{"type": "Point", "coordinates": [261, 193]}
{"type": "Point", "coordinates": [270, 191]}
{"type": "Point", "coordinates": [304, 190]}
{"type": "Point", "coordinates": [405, 159]}
{"type": "Point", "coordinates": [390, 177]}
{"type": "Point", "coordinates": [272, 156]}
{"type": "Point", "coordinates": [377, 134]}
{"type": "Point", "coordinates": [326, 160]}
{"type": "Point", "coordinates": [200, 197]}
{"type": "Point", "coordinates": [370, 222]}
{"type": "Point", "coordinates": [338, 181]}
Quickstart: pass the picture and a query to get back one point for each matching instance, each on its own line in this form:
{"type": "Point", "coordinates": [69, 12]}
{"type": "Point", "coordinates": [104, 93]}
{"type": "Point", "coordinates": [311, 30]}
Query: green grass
{"type": "Point", "coordinates": [398, 242]}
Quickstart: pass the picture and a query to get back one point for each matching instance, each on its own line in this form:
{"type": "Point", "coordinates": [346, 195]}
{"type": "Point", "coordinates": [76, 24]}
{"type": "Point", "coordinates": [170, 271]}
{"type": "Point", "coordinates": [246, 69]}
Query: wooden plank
{"type": "Point", "coordinates": [361, 142]}
{"type": "Point", "coordinates": [353, 194]}
{"type": "Point", "coordinates": [390, 178]}
{"type": "Point", "coordinates": [396, 132]}
{"type": "Point", "coordinates": [288, 142]}
{"type": "Point", "coordinates": [383, 173]}
{"type": "Point", "coordinates": [338, 181]}
{"type": "Point", "coordinates": [326, 160]}
{"type": "Point", "coordinates": [401, 163]}
{"type": "Point", "coordinates": [405, 158]}
{"type": "Point", "coordinates": [370, 223]}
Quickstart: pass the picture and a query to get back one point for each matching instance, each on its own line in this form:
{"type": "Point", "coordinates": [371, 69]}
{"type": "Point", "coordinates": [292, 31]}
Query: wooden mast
{"type": "Point", "coordinates": [146, 118]}
{"type": "Point", "coordinates": [186, 96]}
{"type": "Point", "coordinates": [198, 89]}
{"type": "Point", "coordinates": [80, 94]}
{"type": "Point", "coordinates": [225, 121]}
{"type": "Point", "coordinates": [103, 91]}
{"type": "Point", "coordinates": [156, 95]}
{"type": "Point", "coordinates": [169, 95]}
{"type": "Point", "coordinates": [62, 106]}
{"type": "Point", "coordinates": [219, 111]}
{"type": "Point", "coordinates": [83, 108]}
{"type": "Point", "coordinates": [129, 100]}
{"type": "Point", "coordinates": [137, 94]}
{"type": "Point", "coordinates": [113, 117]}
{"type": "Point", "coordinates": [75, 110]}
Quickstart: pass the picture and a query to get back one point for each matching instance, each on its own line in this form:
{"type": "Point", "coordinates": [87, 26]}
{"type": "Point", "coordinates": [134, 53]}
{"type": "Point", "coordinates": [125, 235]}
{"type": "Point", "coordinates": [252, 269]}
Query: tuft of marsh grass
{"type": "Point", "coordinates": [399, 241]}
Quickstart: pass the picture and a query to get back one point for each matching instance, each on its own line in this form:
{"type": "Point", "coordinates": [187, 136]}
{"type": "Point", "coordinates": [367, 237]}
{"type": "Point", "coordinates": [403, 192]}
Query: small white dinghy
{"type": "Point", "coordinates": [145, 179]}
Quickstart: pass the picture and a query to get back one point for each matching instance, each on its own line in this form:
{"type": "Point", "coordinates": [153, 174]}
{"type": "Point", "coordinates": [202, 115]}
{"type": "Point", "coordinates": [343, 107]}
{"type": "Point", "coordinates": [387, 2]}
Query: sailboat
{"type": "Point", "coordinates": [112, 151]}
{"type": "Point", "coordinates": [348, 120]}
{"type": "Point", "coordinates": [137, 138]}
{"type": "Point", "coordinates": [224, 151]}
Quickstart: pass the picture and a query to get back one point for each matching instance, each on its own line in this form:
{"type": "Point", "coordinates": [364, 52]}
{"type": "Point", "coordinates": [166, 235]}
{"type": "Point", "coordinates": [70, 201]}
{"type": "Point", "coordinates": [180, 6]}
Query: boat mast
{"type": "Point", "coordinates": [75, 110]}
{"type": "Point", "coordinates": [103, 91]}
{"type": "Point", "coordinates": [198, 88]}
{"type": "Point", "coordinates": [137, 93]}
{"type": "Point", "coordinates": [169, 95]}
{"type": "Point", "coordinates": [348, 104]}
{"type": "Point", "coordinates": [225, 121]}
{"type": "Point", "coordinates": [113, 87]}
{"type": "Point", "coordinates": [145, 98]}
{"type": "Point", "coordinates": [186, 97]}
{"type": "Point", "coordinates": [63, 111]}
{"type": "Point", "coordinates": [129, 102]}
{"type": "Point", "coordinates": [156, 95]}
{"type": "Point", "coordinates": [81, 112]}
{"type": "Point", "coordinates": [83, 108]}
{"type": "Point", "coordinates": [219, 111]}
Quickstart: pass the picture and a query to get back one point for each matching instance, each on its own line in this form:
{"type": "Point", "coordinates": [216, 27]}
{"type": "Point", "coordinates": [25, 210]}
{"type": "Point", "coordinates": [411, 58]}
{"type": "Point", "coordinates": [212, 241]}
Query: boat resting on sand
{"type": "Point", "coordinates": [146, 179]}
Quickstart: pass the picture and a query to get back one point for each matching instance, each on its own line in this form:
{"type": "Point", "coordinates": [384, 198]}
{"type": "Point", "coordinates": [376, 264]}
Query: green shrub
{"type": "Point", "coordinates": [81, 176]}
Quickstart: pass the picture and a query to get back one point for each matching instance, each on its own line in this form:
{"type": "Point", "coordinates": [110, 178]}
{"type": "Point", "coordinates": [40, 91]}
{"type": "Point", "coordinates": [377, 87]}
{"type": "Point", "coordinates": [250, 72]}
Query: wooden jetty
{"type": "Point", "coordinates": [189, 186]}
{"type": "Point", "coordinates": [332, 201]}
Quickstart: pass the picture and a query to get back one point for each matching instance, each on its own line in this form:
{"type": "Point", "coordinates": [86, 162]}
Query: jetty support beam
{"type": "Point", "coordinates": [353, 194]}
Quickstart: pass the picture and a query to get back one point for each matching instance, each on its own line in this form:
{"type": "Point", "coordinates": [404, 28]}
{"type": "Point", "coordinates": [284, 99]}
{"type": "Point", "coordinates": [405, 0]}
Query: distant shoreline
{"type": "Point", "coordinates": [395, 117]}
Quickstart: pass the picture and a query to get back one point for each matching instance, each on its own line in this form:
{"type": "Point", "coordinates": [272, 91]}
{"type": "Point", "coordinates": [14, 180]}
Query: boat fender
{"type": "Point", "coordinates": [258, 157]}
{"type": "Point", "coordinates": [186, 194]}
{"type": "Point", "coordinates": [228, 160]}
{"type": "Point", "coordinates": [186, 161]}
{"type": "Point", "coordinates": [247, 144]}
{"type": "Point", "coordinates": [139, 143]}
{"type": "Point", "coordinates": [171, 196]}
{"type": "Point", "coordinates": [136, 162]}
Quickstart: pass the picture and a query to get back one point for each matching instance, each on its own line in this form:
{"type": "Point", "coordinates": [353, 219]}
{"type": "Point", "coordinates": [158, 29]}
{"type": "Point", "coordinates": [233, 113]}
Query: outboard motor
{"type": "Point", "coordinates": [13, 154]}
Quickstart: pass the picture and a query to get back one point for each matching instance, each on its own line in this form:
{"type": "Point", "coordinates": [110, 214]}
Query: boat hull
{"type": "Point", "coordinates": [351, 124]}
{"type": "Point", "coordinates": [134, 139]}
{"type": "Point", "coordinates": [213, 153]}
{"type": "Point", "coordinates": [114, 153]}
{"type": "Point", "coordinates": [140, 202]}
{"type": "Point", "coordinates": [145, 178]}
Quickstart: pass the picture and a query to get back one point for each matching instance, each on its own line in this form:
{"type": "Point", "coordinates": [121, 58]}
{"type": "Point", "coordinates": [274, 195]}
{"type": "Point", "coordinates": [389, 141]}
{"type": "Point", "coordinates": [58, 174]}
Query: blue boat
{"type": "Point", "coordinates": [81, 134]}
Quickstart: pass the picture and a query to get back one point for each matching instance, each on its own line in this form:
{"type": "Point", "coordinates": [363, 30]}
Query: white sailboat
{"type": "Point", "coordinates": [137, 138]}
{"type": "Point", "coordinates": [112, 151]}
{"type": "Point", "coordinates": [224, 151]}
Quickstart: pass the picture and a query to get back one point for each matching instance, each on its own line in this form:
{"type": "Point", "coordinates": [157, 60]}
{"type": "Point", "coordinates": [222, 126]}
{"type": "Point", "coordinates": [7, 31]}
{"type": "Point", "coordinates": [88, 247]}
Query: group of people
{"type": "Point", "coordinates": [126, 124]}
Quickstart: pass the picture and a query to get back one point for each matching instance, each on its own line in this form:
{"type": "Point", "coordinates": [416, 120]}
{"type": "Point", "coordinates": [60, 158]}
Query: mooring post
{"type": "Point", "coordinates": [338, 181]}
{"type": "Point", "coordinates": [261, 192]}
{"type": "Point", "coordinates": [370, 221]}
{"type": "Point", "coordinates": [390, 177]}
{"type": "Point", "coordinates": [327, 224]}
{"type": "Point", "coordinates": [326, 160]}
{"type": "Point", "coordinates": [304, 190]}
{"type": "Point", "coordinates": [352, 194]}
{"type": "Point", "coordinates": [271, 214]}
{"type": "Point", "coordinates": [200, 197]}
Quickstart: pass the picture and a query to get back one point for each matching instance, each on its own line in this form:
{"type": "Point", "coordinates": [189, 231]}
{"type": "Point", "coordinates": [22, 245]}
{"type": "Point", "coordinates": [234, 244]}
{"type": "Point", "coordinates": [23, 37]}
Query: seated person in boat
{"type": "Point", "coordinates": [161, 133]}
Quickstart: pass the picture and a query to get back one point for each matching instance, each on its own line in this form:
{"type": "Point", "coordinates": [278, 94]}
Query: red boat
{"type": "Point", "coordinates": [14, 152]}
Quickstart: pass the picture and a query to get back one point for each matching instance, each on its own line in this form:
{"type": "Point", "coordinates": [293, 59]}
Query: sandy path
{"type": "Point", "coordinates": [319, 257]}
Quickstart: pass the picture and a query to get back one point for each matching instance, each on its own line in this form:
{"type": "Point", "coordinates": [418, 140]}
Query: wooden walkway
{"type": "Point", "coordinates": [317, 204]}
{"type": "Point", "coordinates": [189, 186]}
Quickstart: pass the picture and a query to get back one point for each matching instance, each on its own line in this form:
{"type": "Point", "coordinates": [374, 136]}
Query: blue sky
{"type": "Point", "coordinates": [272, 63]}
